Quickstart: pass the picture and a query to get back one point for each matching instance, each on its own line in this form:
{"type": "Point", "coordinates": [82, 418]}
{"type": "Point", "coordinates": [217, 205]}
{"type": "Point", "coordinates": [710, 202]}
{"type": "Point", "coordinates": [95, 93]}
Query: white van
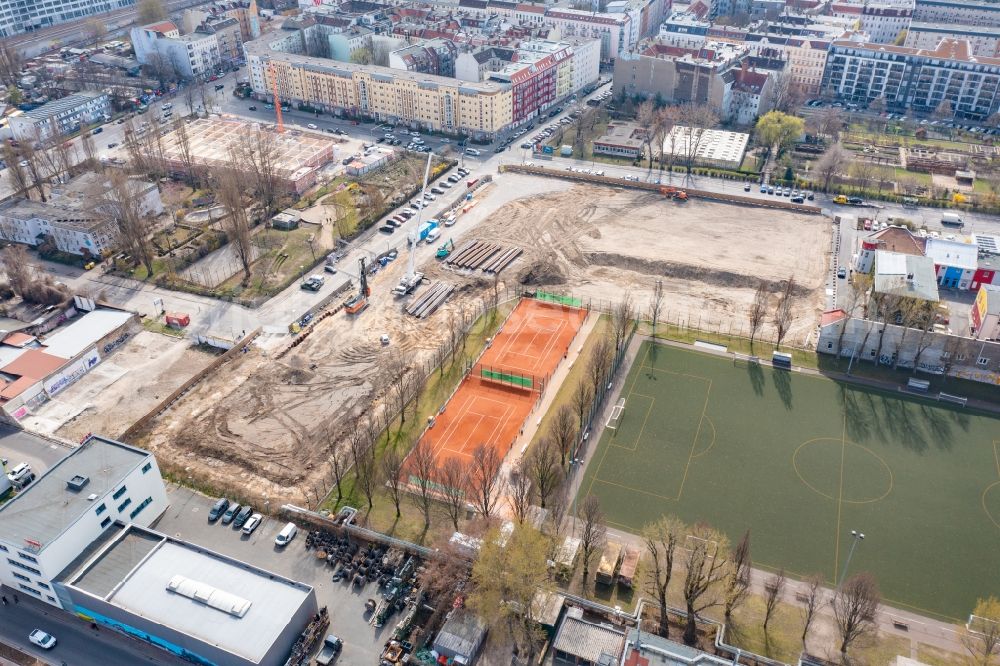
{"type": "Point", "coordinates": [433, 235]}
{"type": "Point", "coordinates": [286, 534]}
{"type": "Point", "coordinates": [473, 152]}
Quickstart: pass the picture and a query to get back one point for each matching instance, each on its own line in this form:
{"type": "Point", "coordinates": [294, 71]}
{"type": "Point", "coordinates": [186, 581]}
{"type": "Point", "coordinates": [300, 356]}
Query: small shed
{"type": "Point", "coordinates": [460, 637]}
{"type": "Point", "coordinates": [630, 563]}
{"type": "Point", "coordinates": [286, 220]}
{"type": "Point", "coordinates": [965, 178]}
{"type": "Point", "coordinates": [610, 560]}
{"type": "Point", "coordinates": [565, 557]}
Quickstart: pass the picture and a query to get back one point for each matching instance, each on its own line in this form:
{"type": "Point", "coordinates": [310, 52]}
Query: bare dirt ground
{"type": "Point", "coordinates": [596, 242]}
{"type": "Point", "coordinates": [122, 388]}
{"type": "Point", "coordinates": [264, 427]}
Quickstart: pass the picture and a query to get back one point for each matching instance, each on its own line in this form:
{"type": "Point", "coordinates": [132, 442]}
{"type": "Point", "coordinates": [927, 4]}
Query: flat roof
{"type": "Point", "coordinates": [68, 103]}
{"type": "Point", "coordinates": [952, 253]}
{"type": "Point", "coordinates": [242, 610]}
{"type": "Point", "coordinates": [43, 510]}
{"type": "Point", "coordinates": [69, 341]}
{"type": "Point", "coordinates": [905, 275]}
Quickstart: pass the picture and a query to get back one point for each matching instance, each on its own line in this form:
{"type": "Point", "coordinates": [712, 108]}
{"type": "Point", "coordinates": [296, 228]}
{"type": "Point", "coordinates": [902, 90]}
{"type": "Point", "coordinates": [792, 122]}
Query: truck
{"type": "Point", "coordinates": [331, 648]}
{"type": "Point", "coordinates": [426, 228]}
{"type": "Point", "coordinates": [611, 558]}
{"type": "Point", "coordinates": [407, 284]}
{"type": "Point", "coordinates": [630, 563]}
{"type": "Point", "coordinates": [952, 220]}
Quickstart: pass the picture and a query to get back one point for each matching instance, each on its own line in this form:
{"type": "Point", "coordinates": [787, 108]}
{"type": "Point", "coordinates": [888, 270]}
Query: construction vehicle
{"type": "Point", "coordinates": [407, 284]}
{"type": "Point", "coordinates": [445, 249]}
{"type": "Point", "coordinates": [674, 193]}
{"type": "Point", "coordinates": [355, 304]}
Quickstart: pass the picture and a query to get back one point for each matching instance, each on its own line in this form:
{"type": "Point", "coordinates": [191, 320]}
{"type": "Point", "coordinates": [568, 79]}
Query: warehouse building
{"type": "Point", "coordinates": [61, 116]}
{"type": "Point", "coordinates": [48, 524]}
{"type": "Point", "coordinates": [197, 604]}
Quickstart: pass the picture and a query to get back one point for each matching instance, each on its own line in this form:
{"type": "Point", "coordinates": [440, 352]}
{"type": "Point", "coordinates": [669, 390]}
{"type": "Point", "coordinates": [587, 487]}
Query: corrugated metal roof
{"type": "Point", "coordinates": [588, 640]}
{"type": "Point", "coordinates": [73, 339]}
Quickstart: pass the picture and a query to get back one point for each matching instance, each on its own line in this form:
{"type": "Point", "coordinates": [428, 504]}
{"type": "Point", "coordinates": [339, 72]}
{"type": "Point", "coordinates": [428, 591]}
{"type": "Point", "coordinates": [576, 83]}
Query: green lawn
{"type": "Point", "coordinates": [802, 460]}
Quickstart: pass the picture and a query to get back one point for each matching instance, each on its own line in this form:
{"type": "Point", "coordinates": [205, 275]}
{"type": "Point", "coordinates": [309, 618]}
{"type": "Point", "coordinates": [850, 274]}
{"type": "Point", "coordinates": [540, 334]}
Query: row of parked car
{"type": "Point", "coordinates": [405, 214]}
{"type": "Point", "coordinates": [242, 517]}
{"type": "Point", "coordinates": [795, 195]}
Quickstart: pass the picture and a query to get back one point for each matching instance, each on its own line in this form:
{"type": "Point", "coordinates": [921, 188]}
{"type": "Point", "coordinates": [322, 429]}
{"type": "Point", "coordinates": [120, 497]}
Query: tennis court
{"type": "Point", "coordinates": [802, 460]}
{"type": "Point", "coordinates": [493, 401]}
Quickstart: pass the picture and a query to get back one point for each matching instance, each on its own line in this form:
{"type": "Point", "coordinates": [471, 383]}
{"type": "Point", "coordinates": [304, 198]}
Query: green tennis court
{"type": "Point", "coordinates": [803, 460]}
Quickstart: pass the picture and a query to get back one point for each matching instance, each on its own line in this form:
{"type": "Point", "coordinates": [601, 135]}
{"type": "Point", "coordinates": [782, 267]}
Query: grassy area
{"type": "Point", "coordinates": [933, 656]}
{"type": "Point", "coordinates": [801, 460]}
{"type": "Point", "coordinates": [980, 186]}
{"type": "Point", "coordinates": [285, 257]}
{"type": "Point", "coordinates": [803, 358]}
{"type": "Point", "coordinates": [923, 179]}
{"type": "Point", "coordinates": [157, 326]}
{"type": "Point", "coordinates": [437, 389]}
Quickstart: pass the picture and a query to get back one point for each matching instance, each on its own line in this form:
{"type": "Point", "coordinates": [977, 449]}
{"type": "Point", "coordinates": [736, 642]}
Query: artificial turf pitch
{"type": "Point", "coordinates": [802, 460]}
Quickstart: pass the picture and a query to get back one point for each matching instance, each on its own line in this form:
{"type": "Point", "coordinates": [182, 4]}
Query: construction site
{"type": "Point", "coordinates": [212, 142]}
{"type": "Point", "coordinates": [270, 418]}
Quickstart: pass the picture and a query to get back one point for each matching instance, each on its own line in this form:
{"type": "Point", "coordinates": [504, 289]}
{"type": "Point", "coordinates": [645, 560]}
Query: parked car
{"type": "Point", "coordinates": [252, 523]}
{"type": "Point", "coordinates": [386, 229]}
{"type": "Point", "coordinates": [42, 639]}
{"type": "Point", "coordinates": [218, 509]}
{"type": "Point", "coordinates": [253, 107]}
{"type": "Point", "coordinates": [746, 187]}
{"type": "Point", "coordinates": [798, 199]}
{"type": "Point", "coordinates": [286, 535]}
{"type": "Point", "coordinates": [842, 273]}
{"type": "Point", "coordinates": [437, 190]}
{"type": "Point", "coordinates": [230, 513]}
{"type": "Point", "coordinates": [242, 516]}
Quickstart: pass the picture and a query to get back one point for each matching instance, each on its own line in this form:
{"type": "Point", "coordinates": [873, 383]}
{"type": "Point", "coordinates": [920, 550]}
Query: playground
{"type": "Point", "coordinates": [801, 461]}
{"type": "Point", "coordinates": [496, 396]}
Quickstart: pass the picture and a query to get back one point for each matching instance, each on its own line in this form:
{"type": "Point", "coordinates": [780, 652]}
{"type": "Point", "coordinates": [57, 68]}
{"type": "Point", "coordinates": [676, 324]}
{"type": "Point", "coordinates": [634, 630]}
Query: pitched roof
{"type": "Point", "coordinates": [34, 363]}
{"type": "Point", "coordinates": [588, 640]}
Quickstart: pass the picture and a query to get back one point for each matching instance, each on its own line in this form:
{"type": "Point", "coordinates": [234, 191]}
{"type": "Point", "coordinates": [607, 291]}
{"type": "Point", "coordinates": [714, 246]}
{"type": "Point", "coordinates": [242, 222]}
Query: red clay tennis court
{"type": "Point", "coordinates": [493, 401]}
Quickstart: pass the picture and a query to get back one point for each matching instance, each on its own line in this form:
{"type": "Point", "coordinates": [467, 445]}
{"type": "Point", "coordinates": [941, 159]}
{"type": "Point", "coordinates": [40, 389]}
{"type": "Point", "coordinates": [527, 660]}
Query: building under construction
{"type": "Point", "coordinates": [299, 155]}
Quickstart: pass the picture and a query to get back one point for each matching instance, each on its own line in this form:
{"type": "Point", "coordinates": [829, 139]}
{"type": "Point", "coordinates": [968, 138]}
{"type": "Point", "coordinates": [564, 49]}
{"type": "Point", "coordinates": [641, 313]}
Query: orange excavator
{"type": "Point", "coordinates": [674, 193]}
{"type": "Point", "coordinates": [359, 301]}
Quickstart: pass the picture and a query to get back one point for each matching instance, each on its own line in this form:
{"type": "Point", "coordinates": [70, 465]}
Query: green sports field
{"type": "Point", "coordinates": [801, 461]}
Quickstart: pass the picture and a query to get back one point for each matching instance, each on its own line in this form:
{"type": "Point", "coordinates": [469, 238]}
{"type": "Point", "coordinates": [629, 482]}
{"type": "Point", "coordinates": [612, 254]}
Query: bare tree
{"type": "Point", "coordinates": [396, 373]}
{"type": "Point", "coordinates": [94, 29]}
{"type": "Point", "coordinates": [20, 177]}
{"type": "Point", "coordinates": [452, 478]}
{"type": "Point", "coordinates": [563, 431]}
{"type": "Point", "coordinates": [338, 467]}
{"type": "Point", "coordinates": [774, 587]}
{"type": "Point", "coordinates": [696, 118]}
{"type": "Point", "coordinates": [10, 64]}
{"type": "Point", "coordinates": [558, 506]}
{"type": "Point", "coordinates": [17, 266]}
{"type": "Point", "coordinates": [392, 470]}
{"type": "Point", "coordinates": [593, 534]}
{"type": "Point", "coordinates": [484, 481]}
{"type": "Point", "coordinates": [758, 310]}
{"type": "Point", "coordinates": [831, 163]}
{"type": "Point", "coordinates": [259, 154]}
{"type": "Point", "coordinates": [813, 602]}
{"type": "Point", "coordinates": [519, 492]}
{"type": "Point", "coordinates": [443, 577]}
{"type": "Point", "coordinates": [423, 466]}
{"type": "Point", "coordinates": [705, 565]}
{"type": "Point", "coordinates": [541, 465]}
{"type": "Point", "coordinates": [783, 311]}
{"type": "Point", "coordinates": [661, 540]}
{"type": "Point", "coordinates": [150, 11]}
{"type": "Point", "coordinates": [786, 95]}
{"type": "Point", "coordinates": [656, 304]}
{"type": "Point", "coordinates": [854, 607]}
{"type": "Point", "coordinates": [236, 223]}
{"type": "Point", "coordinates": [187, 156]}
{"type": "Point", "coordinates": [581, 400]}
{"type": "Point", "coordinates": [31, 161]}
{"type": "Point", "coordinates": [645, 118]}
{"type": "Point", "coordinates": [380, 53]}
{"type": "Point", "coordinates": [738, 577]}
{"type": "Point", "coordinates": [622, 316]}
{"type": "Point", "coordinates": [122, 204]}
{"type": "Point", "coordinates": [981, 635]}
{"type": "Point", "coordinates": [365, 470]}
{"type": "Point", "coordinates": [598, 364]}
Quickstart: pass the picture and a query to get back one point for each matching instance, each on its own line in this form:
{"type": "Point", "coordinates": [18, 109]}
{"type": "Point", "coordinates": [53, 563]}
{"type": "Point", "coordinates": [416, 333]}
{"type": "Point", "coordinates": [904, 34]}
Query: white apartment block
{"type": "Point", "coordinates": [61, 116]}
{"type": "Point", "coordinates": [615, 31]}
{"type": "Point", "coordinates": [18, 16]}
{"type": "Point", "coordinates": [984, 40]}
{"type": "Point", "coordinates": [883, 20]}
{"type": "Point", "coordinates": [193, 56]}
{"type": "Point", "coordinates": [50, 523]}
{"type": "Point", "coordinates": [981, 13]}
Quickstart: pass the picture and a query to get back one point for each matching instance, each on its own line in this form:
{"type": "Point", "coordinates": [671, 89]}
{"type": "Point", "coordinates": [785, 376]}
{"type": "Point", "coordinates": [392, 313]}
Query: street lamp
{"type": "Point", "coordinates": [857, 536]}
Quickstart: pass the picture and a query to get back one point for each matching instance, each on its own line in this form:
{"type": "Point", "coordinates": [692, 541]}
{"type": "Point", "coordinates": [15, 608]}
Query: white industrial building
{"type": "Point", "coordinates": [718, 148]}
{"type": "Point", "coordinates": [58, 516]}
{"type": "Point", "coordinates": [19, 17]}
{"type": "Point", "coordinates": [197, 604]}
{"type": "Point", "coordinates": [62, 115]}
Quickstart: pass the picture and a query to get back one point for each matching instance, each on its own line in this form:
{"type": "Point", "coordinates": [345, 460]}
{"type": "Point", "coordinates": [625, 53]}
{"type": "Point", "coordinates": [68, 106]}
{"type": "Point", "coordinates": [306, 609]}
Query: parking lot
{"type": "Point", "coordinates": [187, 518]}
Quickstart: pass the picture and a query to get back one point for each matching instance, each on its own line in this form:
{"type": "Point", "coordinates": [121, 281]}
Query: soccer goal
{"type": "Point", "coordinates": [616, 415]}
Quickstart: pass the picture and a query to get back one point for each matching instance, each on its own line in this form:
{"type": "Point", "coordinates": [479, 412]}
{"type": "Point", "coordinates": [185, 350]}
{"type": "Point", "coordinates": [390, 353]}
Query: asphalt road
{"type": "Point", "coordinates": [76, 643]}
{"type": "Point", "coordinates": [18, 446]}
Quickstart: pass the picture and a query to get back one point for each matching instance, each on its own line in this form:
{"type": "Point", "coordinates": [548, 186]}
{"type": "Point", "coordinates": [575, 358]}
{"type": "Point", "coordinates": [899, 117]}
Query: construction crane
{"type": "Point", "coordinates": [355, 304]}
{"type": "Point", "coordinates": [277, 98]}
{"type": "Point", "coordinates": [411, 238]}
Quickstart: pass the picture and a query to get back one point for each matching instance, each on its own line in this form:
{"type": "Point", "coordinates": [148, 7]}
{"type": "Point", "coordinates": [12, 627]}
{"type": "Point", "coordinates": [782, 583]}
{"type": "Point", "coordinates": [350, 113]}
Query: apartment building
{"type": "Point", "coordinates": [99, 483]}
{"type": "Point", "coordinates": [61, 116]}
{"type": "Point", "coordinates": [806, 57]}
{"type": "Point", "coordinates": [193, 55]}
{"type": "Point", "coordinates": [984, 40]}
{"type": "Point", "coordinates": [883, 20]}
{"type": "Point", "coordinates": [859, 71]}
{"type": "Point", "coordinates": [421, 100]}
{"type": "Point", "coordinates": [616, 32]}
{"type": "Point", "coordinates": [20, 16]}
{"type": "Point", "coordinates": [229, 36]}
{"type": "Point", "coordinates": [434, 56]}
{"type": "Point", "coordinates": [245, 12]}
{"type": "Point", "coordinates": [971, 13]}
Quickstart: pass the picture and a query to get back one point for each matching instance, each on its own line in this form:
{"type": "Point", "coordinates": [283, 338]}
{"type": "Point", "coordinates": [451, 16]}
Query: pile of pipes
{"type": "Point", "coordinates": [490, 257]}
{"type": "Point", "coordinates": [424, 304]}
